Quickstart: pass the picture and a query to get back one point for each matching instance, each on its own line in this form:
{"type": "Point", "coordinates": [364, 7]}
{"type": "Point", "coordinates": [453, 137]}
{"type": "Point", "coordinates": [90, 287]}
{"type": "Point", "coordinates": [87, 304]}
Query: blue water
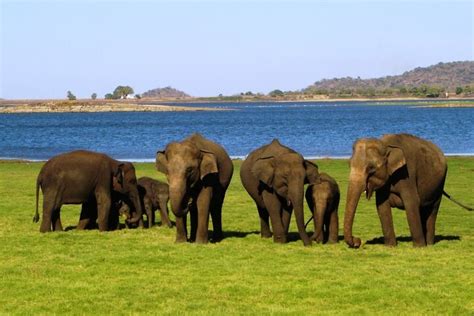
{"type": "Point", "coordinates": [312, 128]}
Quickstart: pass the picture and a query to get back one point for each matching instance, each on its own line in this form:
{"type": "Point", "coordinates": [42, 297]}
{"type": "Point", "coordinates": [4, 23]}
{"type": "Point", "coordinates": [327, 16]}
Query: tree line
{"type": "Point", "coordinates": [121, 92]}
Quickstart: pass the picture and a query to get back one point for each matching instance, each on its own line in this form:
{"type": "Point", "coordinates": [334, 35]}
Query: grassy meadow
{"type": "Point", "coordinates": [144, 271]}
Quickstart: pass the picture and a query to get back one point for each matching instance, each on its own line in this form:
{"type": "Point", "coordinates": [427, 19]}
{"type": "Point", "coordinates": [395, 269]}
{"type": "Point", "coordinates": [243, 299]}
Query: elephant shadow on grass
{"type": "Point", "coordinates": [294, 237]}
{"type": "Point", "coordinates": [236, 234]}
{"type": "Point", "coordinates": [380, 240]}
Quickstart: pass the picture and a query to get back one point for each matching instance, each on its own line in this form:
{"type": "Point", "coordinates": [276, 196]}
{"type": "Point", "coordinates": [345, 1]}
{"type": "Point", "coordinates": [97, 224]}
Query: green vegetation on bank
{"type": "Point", "coordinates": [143, 271]}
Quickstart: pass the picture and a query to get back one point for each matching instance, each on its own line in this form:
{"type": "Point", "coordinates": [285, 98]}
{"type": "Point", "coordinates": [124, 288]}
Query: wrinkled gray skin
{"type": "Point", "coordinates": [406, 172]}
{"type": "Point", "coordinates": [87, 178]}
{"type": "Point", "coordinates": [198, 172]}
{"type": "Point", "coordinates": [274, 176]}
{"type": "Point", "coordinates": [323, 201]}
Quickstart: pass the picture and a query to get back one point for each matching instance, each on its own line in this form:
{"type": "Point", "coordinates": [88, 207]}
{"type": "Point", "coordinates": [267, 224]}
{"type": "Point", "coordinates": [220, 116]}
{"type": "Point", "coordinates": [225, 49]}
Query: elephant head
{"type": "Point", "coordinates": [185, 166]}
{"type": "Point", "coordinates": [286, 174]}
{"type": "Point", "coordinates": [125, 182]}
{"type": "Point", "coordinates": [372, 164]}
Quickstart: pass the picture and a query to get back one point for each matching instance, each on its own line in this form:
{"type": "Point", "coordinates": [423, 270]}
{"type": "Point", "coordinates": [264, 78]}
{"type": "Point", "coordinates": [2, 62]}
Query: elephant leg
{"type": "Point", "coordinates": [56, 220]}
{"type": "Point", "coordinates": [319, 220]}
{"type": "Point", "coordinates": [193, 213]}
{"type": "Point", "coordinates": [265, 231]}
{"type": "Point", "coordinates": [286, 219]}
{"type": "Point", "coordinates": [412, 207]}
{"type": "Point", "coordinates": [333, 227]}
{"type": "Point", "coordinates": [114, 219]}
{"type": "Point", "coordinates": [385, 215]}
{"type": "Point", "coordinates": [165, 220]}
{"type": "Point", "coordinates": [430, 223]}
{"type": "Point", "coordinates": [216, 213]}
{"type": "Point", "coordinates": [149, 213]}
{"type": "Point", "coordinates": [203, 203]}
{"type": "Point", "coordinates": [103, 209]}
{"type": "Point", "coordinates": [181, 231]}
{"type": "Point", "coordinates": [49, 206]}
{"type": "Point", "coordinates": [88, 215]}
{"type": "Point", "coordinates": [273, 205]}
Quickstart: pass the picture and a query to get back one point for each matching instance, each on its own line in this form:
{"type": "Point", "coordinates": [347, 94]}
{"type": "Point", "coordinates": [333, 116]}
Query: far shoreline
{"type": "Point", "coordinates": [183, 105]}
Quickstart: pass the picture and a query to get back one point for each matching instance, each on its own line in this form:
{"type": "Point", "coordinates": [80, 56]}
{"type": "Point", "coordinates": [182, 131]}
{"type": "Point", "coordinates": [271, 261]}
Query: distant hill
{"type": "Point", "coordinates": [445, 76]}
{"type": "Point", "coordinates": [165, 93]}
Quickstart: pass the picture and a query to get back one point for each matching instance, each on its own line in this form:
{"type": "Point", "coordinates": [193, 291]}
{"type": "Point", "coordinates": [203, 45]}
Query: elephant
{"type": "Point", "coordinates": [323, 201]}
{"type": "Point", "coordinates": [154, 195]}
{"type": "Point", "coordinates": [87, 178]}
{"type": "Point", "coordinates": [405, 172]}
{"type": "Point", "coordinates": [198, 172]}
{"type": "Point", "coordinates": [274, 176]}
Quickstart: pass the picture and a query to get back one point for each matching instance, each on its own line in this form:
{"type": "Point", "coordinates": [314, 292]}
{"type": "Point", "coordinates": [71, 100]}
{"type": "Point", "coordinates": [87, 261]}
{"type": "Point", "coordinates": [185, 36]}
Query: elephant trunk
{"type": "Point", "coordinates": [137, 205]}
{"type": "Point", "coordinates": [296, 198]}
{"type": "Point", "coordinates": [355, 189]}
{"type": "Point", "coordinates": [177, 191]}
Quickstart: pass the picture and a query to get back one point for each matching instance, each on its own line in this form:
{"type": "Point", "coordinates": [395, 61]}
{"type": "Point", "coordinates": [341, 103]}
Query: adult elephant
{"type": "Point", "coordinates": [199, 172]}
{"type": "Point", "coordinates": [87, 178]}
{"type": "Point", "coordinates": [406, 172]}
{"type": "Point", "coordinates": [274, 176]}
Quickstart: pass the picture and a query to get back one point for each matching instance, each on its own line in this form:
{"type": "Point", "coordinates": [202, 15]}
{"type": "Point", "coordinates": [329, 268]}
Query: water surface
{"type": "Point", "coordinates": [312, 128]}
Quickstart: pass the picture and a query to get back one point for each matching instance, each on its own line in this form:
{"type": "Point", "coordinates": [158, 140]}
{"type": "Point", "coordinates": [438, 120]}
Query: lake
{"type": "Point", "coordinates": [315, 129]}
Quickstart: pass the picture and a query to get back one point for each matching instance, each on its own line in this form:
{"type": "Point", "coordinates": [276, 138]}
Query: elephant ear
{"type": "Point", "coordinates": [264, 170]}
{"type": "Point", "coordinates": [117, 178]}
{"type": "Point", "coordinates": [312, 173]}
{"type": "Point", "coordinates": [161, 162]}
{"type": "Point", "coordinates": [208, 164]}
{"type": "Point", "coordinates": [395, 159]}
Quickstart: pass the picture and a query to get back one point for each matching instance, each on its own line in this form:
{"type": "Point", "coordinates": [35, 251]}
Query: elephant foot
{"type": "Point", "coordinates": [390, 242]}
{"type": "Point", "coordinates": [180, 239]}
{"type": "Point", "coordinates": [266, 234]}
{"type": "Point", "coordinates": [201, 241]}
{"type": "Point", "coordinates": [217, 237]}
{"type": "Point", "coordinates": [279, 239]}
{"type": "Point", "coordinates": [318, 239]}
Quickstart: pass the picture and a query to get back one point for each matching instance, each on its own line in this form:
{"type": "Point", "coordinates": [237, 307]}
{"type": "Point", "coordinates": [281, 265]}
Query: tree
{"type": "Point", "coordinates": [71, 96]}
{"type": "Point", "coordinates": [109, 96]}
{"type": "Point", "coordinates": [123, 91]}
{"type": "Point", "coordinates": [94, 96]}
{"type": "Point", "coordinates": [137, 96]}
{"type": "Point", "coordinates": [276, 93]}
{"type": "Point", "coordinates": [459, 90]}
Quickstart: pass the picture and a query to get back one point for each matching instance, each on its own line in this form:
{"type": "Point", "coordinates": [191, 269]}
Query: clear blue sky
{"type": "Point", "coordinates": [207, 48]}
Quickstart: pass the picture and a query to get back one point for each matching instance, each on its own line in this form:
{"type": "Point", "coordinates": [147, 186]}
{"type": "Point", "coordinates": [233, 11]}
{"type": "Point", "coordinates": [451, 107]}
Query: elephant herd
{"type": "Point", "coordinates": [404, 171]}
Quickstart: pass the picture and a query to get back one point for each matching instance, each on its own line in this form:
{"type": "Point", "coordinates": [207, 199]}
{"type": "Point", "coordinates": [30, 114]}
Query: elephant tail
{"type": "Point", "coordinates": [309, 220]}
{"type": "Point", "coordinates": [458, 203]}
{"type": "Point", "coordinates": [38, 183]}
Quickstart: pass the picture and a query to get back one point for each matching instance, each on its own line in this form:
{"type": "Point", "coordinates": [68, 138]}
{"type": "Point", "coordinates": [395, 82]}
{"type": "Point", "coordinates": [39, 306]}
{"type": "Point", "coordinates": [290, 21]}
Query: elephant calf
{"type": "Point", "coordinates": [154, 195]}
{"type": "Point", "coordinates": [323, 201]}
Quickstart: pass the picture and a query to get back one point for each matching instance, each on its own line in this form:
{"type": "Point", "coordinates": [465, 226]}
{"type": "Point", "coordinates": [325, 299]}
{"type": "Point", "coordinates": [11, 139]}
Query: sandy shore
{"type": "Point", "coordinates": [78, 107]}
{"type": "Point", "coordinates": [448, 105]}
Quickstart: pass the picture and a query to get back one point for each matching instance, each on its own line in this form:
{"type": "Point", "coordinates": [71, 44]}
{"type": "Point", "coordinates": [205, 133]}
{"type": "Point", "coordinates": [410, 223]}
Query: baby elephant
{"type": "Point", "coordinates": [154, 195]}
{"type": "Point", "coordinates": [323, 201]}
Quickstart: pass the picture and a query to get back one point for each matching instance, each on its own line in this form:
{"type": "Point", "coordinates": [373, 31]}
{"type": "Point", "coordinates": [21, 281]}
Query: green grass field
{"type": "Point", "coordinates": [143, 271]}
